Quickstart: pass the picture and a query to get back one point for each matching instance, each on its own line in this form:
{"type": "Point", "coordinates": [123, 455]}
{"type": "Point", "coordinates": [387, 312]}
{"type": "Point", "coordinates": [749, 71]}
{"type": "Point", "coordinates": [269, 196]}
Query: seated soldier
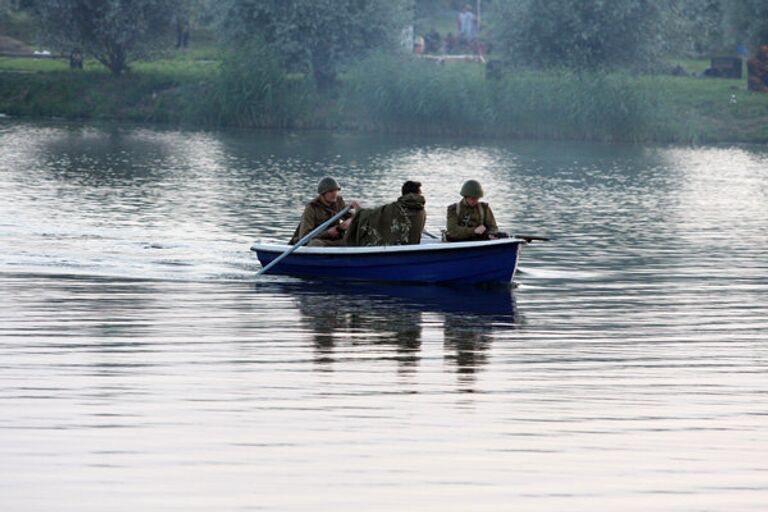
{"type": "Point", "coordinates": [327, 204]}
{"type": "Point", "coordinates": [398, 223]}
{"type": "Point", "coordinates": [469, 219]}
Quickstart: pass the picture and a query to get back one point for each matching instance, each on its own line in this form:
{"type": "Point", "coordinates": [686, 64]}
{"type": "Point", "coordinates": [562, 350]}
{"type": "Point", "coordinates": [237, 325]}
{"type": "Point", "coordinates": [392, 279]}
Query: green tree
{"type": "Point", "coordinates": [314, 36]}
{"type": "Point", "coordinates": [746, 21]}
{"type": "Point", "coordinates": [112, 31]}
{"type": "Point", "coordinates": [701, 26]}
{"type": "Point", "coordinates": [579, 34]}
{"type": "Point", "coordinates": [5, 11]}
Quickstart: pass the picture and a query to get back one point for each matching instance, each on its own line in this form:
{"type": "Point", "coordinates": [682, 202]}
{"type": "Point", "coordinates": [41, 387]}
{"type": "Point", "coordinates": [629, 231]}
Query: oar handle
{"type": "Point", "coordinates": [309, 236]}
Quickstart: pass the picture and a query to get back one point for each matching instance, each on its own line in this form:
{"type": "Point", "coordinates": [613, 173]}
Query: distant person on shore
{"type": "Point", "coordinates": [76, 59]}
{"type": "Point", "coordinates": [418, 45]}
{"type": "Point", "coordinates": [327, 204]}
{"type": "Point", "coordinates": [450, 43]}
{"type": "Point", "coordinates": [467, 24]}
{"type": "Point", "coordinates": [433, 41]}
{"type": "Point", "coordinates": [469, 219]}
{"type": "Point", "coordinates": [397, 223]}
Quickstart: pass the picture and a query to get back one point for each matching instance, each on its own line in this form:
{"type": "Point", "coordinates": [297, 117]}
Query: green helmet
{"type": "Point", "coordinates": [472, 188]}
{"type": "Point", "coordinates": [326, 185]}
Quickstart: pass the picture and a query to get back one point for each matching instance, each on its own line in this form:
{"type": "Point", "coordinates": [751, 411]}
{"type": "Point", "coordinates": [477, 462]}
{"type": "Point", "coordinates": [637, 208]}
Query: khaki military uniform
{"type": "Point", "coordinates": [462, 220]}
{"type": "Point", "coordinates": [315, 213]}
{"type": "Point", "coordinates": [398, 223]}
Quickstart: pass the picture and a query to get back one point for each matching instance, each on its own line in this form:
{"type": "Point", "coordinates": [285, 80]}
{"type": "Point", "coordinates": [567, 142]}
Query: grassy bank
{"type": "Point", "coordinates": [47, 87]}
{"type": "Point", "coordinates": [392, 95]}
{"type": "Point", "coordinates": [200, 89]}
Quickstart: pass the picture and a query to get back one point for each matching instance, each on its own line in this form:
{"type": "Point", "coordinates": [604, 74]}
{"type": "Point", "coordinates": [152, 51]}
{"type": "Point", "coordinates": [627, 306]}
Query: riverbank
{"type": "Point", "coordinates": [394, 95]}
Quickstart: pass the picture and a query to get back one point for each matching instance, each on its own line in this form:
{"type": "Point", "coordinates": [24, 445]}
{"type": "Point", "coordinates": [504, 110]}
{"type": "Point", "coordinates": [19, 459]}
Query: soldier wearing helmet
{"type": "Point", "coordinates": [327, 204]}
{"type": "Point", "coordinates": [469, 219]}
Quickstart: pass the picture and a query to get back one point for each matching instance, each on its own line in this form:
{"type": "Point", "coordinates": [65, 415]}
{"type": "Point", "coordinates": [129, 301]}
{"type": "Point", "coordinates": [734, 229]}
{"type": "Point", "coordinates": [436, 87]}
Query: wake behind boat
{"type": "Point", "coordinates": [488, 261]}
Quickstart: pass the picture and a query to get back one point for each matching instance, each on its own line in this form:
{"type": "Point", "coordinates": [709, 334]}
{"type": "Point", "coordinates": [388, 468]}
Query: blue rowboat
{"type": "Point", "coordinates": [491, 261]}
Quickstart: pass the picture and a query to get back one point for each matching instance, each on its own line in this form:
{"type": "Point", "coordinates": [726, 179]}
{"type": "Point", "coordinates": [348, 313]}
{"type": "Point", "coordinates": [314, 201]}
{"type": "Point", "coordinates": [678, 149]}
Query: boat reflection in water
{"type": "Point", "coordinates": [345, 317]}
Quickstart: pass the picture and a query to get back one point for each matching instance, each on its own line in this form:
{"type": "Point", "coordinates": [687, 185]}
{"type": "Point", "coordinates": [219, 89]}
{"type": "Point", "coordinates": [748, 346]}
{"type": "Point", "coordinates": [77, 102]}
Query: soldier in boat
{"type": "Point", "coordinates": [397, 223]}
{"type": "Point", "coordinates": [327, 204]}
{"type": "Point", "coordinates": [469, 219]}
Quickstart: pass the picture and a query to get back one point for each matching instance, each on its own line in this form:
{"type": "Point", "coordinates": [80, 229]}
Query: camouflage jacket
{"type": "Point", "coordinates": [315, 213]}
{"type": "Point", "coordinates": [462, 220]}
{"type": "Point", "coordinates": [398, 223]}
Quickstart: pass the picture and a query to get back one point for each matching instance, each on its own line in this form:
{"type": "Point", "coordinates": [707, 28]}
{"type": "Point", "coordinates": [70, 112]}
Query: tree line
{"type": "Point", "coordinates": [589, 34]}
{"type": "Point", "coordinates": [320, 38]}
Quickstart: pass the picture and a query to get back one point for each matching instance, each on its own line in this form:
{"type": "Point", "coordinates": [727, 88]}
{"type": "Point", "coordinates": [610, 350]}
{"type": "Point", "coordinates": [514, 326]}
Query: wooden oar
{"type": "Point", "coordinates": [312, 234]}
{"type": "Point", "coordinates": [430, 235]}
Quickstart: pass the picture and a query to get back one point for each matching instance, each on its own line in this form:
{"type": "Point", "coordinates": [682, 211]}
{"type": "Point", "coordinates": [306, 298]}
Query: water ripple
{"type": "Point", "coordinates": [143, 368]}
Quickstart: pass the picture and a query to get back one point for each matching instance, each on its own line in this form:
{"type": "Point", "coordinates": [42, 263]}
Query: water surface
{"type": "Point", "coordinates": [142, 367]}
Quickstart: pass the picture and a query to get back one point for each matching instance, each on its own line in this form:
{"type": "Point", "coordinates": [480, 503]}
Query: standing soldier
{"type": "Point", "coordinates": [327, 204]}
{"type": "Point", "coordinates": [469, 219]}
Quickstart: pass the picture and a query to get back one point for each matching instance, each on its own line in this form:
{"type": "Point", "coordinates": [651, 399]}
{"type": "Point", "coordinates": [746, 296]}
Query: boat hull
{"type": "Point", "coordinates": [463, 262]}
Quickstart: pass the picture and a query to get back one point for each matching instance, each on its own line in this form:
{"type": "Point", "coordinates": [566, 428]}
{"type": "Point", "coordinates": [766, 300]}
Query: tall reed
{"type": "Point", "coordinates": [403, 94]}
{"type": "Point", "coordinates": [406, 94]}
{"type": "Point", "coordinates": [250, 89]}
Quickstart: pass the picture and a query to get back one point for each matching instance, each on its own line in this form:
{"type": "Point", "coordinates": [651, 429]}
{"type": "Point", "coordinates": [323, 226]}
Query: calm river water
{"type": "Point", "coordinates": [142, 366]}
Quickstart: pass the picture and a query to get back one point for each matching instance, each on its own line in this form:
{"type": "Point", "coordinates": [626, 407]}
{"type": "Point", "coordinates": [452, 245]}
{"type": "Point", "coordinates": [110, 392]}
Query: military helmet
{"type": "Point", "coordinates": [327, 184]}
{"type": "Point", "coordinates": [472, 188]}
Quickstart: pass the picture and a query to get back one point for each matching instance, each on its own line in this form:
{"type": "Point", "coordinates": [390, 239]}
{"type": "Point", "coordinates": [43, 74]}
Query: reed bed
{"type": "Point", "coordinates": [411, 95]}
